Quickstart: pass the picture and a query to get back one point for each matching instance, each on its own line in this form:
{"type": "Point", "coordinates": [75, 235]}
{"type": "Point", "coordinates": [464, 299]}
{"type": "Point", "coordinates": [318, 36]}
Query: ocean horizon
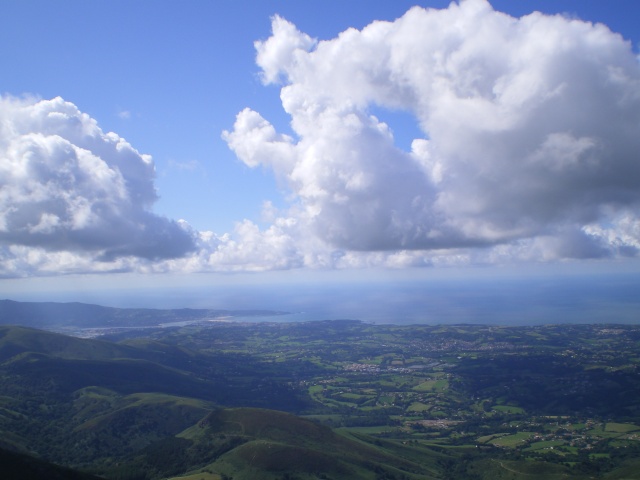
{"type": "Point", "coordinates": [613, 298]}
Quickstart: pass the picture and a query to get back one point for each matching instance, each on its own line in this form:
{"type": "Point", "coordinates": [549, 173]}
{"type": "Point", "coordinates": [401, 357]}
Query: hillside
{"type": "Point", "coordinates": [79, 401]}
{"type": "Point", "coordinates": [46, 363]}
{"type": "Point", "coordinates": [15, 340]}
{"type": "Point", "coordinates": [259, 444]}
{"type": "Point", "coordinates": [17, 466]}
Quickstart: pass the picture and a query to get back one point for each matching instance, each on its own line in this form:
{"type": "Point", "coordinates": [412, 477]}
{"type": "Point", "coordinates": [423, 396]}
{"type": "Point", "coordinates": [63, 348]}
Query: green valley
{"type": "Point", "coordinates": [329, 400]}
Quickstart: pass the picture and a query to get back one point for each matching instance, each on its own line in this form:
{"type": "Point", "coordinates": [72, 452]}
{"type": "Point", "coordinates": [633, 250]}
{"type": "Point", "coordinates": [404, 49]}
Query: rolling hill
{"type": "Point", "coordinates": [260, 444]}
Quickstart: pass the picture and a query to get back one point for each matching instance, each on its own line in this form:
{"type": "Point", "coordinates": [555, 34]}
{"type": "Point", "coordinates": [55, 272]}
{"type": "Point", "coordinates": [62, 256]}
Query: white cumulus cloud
{"type": "Point", "coordinates": [66, 186]}
{"type": "Point", "coordinates": [531, 134]}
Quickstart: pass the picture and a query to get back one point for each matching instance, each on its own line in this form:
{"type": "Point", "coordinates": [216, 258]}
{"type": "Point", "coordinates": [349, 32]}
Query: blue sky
{"type": "Point", "coordinates": [456, 138]}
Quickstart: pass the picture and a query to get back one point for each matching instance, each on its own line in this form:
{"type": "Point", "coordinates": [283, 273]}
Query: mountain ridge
{"type": "Point", "coordinates": [87, 315]}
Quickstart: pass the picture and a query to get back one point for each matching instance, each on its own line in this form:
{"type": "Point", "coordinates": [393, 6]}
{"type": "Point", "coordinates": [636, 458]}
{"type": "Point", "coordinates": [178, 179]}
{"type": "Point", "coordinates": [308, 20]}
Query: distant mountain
{"type": "Point", "coordinates": [50, 315]}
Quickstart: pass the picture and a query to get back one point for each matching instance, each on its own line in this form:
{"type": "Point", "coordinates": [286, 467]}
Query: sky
{"type": "Point", "coordinates": [163, 144]}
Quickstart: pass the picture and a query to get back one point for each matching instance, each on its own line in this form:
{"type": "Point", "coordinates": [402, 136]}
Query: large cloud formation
{"type": "Point", "coordinates": [69, 190]}
{"type": "Point", "coordinates": [529, 151]}
{"type": "Point", "coordinates": [531, 145]}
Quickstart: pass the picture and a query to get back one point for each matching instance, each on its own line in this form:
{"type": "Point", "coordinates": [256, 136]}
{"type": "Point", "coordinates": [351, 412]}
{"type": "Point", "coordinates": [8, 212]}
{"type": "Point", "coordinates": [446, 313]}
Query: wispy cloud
{"type": "Point", "coordinates": [124, 114]}
{"type": "Point", "coordinates": [185, 166]}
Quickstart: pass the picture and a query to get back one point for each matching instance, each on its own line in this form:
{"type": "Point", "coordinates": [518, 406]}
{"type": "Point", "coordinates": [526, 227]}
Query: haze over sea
{"type": "Point", "coordinates": [504, 300]}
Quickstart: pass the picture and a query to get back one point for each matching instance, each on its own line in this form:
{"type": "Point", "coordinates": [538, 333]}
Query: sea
{"type": "Point", "coordinates": [509, 300]}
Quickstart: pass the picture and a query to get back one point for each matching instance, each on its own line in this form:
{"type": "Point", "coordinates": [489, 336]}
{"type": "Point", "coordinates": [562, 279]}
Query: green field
{"type": "Point", "coordinates": [621, 427]}
{"type": "Point", "coordinates": [508, 409]}
{"type": "Point", "coordinates": [432, 386]}
{"type": "Point", "coordinates": [514, 440]}
{"type": "Point", "coordinates": [546, 445]}
{"type": "Point", "coordinates": [419, 407]}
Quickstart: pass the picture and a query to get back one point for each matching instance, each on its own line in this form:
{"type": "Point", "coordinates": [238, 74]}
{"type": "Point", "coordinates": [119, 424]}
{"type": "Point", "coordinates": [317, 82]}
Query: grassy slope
{"type": "Point", "coordinates": [15, 340]}
{"type": "Point", "coordinates": [629, 470]}
{"type": "Point", "coordinates": [277, 443]}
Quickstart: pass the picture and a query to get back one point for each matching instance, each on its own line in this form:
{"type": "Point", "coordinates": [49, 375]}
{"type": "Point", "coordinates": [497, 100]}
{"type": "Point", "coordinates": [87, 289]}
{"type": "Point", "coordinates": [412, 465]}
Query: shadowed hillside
{"type": "Point", "coordinates": [17, 466]}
